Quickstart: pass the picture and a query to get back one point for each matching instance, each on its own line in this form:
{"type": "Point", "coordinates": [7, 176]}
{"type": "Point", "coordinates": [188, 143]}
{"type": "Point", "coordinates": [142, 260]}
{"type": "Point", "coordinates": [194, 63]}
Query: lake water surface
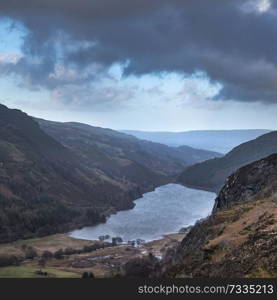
{"type": "Point", "coordinates": [163, 211]}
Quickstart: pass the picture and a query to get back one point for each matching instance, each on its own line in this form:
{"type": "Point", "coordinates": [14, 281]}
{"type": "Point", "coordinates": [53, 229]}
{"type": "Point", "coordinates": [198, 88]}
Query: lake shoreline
{"type": "Point", "coordinates": [105, 259]}
{"type": "Point", "coordinates": [163, 211]}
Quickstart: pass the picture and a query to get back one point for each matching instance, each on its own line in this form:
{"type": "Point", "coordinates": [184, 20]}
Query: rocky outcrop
{"type": "Point", "coordinates": [254, 181]}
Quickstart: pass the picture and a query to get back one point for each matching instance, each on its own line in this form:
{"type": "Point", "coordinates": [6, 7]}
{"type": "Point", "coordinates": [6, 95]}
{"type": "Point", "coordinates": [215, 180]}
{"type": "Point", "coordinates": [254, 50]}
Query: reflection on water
{"type": "Point", "coordinates": [165, 210]}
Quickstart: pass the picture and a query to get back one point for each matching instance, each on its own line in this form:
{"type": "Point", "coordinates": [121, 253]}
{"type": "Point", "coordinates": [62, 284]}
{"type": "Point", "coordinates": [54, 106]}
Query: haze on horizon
{"type": "Point", "coordinates": [142, 65]}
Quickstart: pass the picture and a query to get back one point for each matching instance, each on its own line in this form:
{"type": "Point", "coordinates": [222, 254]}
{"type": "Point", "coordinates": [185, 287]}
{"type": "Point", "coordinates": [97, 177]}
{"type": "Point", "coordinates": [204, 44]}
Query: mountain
{"type": "Point", "coordinates": [105, 148]}
{"type": "Point", "coordinates": [55, 177]}
{"type": "Point", "coordinates": [239, 239]}
{"type": "Point", "coordinates": [211, 174]}
{"type": "Point", "coordinates": [47, 188]}
{"type": "Point", "coordinates": [214, 140]}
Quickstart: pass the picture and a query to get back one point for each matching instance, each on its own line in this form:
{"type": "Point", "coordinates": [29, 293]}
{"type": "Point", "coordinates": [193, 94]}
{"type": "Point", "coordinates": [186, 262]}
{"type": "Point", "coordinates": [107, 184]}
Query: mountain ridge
{"type": "Point", "coordinates": [116, 144]}
{"type": "Point", "coordinates": [211, 174]}
{"type": "Point", "coordinates": [221, 141]}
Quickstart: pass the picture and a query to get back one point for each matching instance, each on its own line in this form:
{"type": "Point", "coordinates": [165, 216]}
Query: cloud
{"type": "Point", "coordinates": [257, 6]}
{"type": "Point", "coordinates": [232, 42]}
{"type": "Point", "coordinates": [9, 58]}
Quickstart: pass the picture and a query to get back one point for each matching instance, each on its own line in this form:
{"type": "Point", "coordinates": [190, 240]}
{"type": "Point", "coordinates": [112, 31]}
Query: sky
{"type": "Point", "coordinates": [154, 65]}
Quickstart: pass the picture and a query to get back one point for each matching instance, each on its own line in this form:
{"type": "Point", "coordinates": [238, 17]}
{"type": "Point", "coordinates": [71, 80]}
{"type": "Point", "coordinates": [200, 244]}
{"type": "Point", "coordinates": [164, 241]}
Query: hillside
{"type": "Point", "coordinates": [240, 238]}
{"type": "Point", "coordinates": [47, 188]}
{"type": "Point", "coordinates": [212, 174]}
{"type": "Point", "coordinates": [221, 141]}
{"type": "Point", "coordinates": [55, 177]}
{"type": "Point", "coordinates": [108, 149]}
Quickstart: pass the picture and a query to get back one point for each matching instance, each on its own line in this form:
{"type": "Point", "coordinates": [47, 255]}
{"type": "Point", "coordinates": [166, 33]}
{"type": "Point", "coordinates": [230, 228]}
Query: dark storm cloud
{"type": "Point", "coordinates": [232, 45]}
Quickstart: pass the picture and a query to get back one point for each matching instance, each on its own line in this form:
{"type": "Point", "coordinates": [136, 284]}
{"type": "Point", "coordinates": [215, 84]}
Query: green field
{"type": "Point", "coordinates": [29, 272]}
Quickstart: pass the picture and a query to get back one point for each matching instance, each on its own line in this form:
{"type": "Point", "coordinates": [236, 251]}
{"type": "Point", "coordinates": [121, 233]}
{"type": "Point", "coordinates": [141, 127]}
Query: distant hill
{"type": "Point", "coordinates": [214, 140]}
{"type": "Point", "coordinates": [212, 174]}
{"type": "Point", "coordinates": [106, 148]}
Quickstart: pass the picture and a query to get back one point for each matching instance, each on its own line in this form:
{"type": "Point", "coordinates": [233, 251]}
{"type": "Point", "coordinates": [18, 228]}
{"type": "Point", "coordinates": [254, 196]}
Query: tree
{"type": "Point", "coordinates": [88, 275]}
{"type": "Point", "coordinates": [47, 254]}
{"type": "Point", "coordinates": [41, 263]}
{"type": "Point", "coordinates": [30, 253]}
{"type": "Point", "coordinates": [59, 254]}
{"type": "Point", "coordinates": [141, 267]}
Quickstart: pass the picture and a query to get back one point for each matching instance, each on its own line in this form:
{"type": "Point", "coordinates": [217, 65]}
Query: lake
{"type": "Point", "coordinates": [163, 211]}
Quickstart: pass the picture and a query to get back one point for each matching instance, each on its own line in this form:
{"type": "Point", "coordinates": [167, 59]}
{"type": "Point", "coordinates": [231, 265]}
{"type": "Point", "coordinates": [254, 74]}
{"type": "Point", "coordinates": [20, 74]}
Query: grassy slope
{"type": "Point", "coordinates": [54, 267]}
{"type": "Point", "coordinates": [236, 242]}
{"type": "Point", "coordinates": [50, 243]}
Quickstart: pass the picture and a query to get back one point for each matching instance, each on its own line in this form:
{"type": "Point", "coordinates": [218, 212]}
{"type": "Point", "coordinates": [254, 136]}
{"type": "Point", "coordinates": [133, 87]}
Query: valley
{"type": "Point", "coordinates": [78, 200]}
{"type": "Point", "coordinates": [138, 140]}
{"type": "Point", "coordinates": [56, 177]}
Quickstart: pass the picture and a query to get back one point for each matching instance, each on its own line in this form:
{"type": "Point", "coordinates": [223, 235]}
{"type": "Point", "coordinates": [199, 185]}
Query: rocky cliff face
{"type": "Point", "coordinates": [239, 239]}
{"type": "Point", "coordinates": [254, 181]}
